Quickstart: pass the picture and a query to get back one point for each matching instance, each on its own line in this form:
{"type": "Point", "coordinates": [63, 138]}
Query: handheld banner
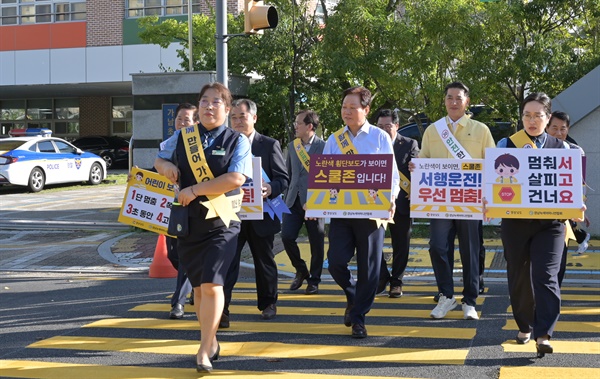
{"type": "Point", "coordinates": [350, 186]}
{"type": "Point", "coordinates": [533, 183]}
{"type": "Point", "coordinates": [147, 201]}
{"type": "Point", "coordinates": [447, 188]}
{"type": "Point", "coordinates": [252, 203]}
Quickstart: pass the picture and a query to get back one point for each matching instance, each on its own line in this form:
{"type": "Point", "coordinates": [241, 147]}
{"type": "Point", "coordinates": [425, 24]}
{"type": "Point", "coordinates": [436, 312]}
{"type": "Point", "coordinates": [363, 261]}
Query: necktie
{"type": "Point", "coordinates": [206, 139]}
{"type": "Point", "coordinates": [538, 142]}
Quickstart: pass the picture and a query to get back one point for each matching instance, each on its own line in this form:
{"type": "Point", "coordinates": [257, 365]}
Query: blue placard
{"type": "Point", "coordinates": [168, 119]}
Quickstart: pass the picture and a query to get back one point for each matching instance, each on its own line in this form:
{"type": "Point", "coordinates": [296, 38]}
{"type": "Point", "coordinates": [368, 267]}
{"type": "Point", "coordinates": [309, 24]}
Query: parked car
{"type": "Point", "coordinates": [113, 149]}
{"type": "Point", "coordinates": [498, 127]}
{"type": "Point", "coordinates": [37, 161]}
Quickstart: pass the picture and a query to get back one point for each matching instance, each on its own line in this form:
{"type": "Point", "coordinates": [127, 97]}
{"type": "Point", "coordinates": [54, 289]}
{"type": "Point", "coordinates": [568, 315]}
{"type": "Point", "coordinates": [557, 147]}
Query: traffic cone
{"type": "Point", "coordinates": [161, 267]}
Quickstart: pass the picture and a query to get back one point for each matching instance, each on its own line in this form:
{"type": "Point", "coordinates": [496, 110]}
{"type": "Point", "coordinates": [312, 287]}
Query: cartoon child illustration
{"type": "Point", "coordinates": [372, 198]}
{"type": "Point", "coordinates": [507, 166]}
{"type": "Point", "coordinates": [333, 195]}
{"type": "Point", "coordinates": [139, 176]}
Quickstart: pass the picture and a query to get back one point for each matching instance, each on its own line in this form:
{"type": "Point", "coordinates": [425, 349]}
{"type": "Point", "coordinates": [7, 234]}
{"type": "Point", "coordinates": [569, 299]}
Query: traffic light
{"type": "Point", "coordinates": [258, 16]}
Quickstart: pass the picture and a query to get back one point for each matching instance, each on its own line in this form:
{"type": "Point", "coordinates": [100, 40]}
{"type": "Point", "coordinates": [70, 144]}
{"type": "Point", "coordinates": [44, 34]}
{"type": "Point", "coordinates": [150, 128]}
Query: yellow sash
{"type": "Point", "coordinates": [302, 153]}
{"type": "Point", "coordinates": [404, 182]}
{"type": "Point", "coordinates": [344, 143]}
{"type": "Point", "coordinates": [221, 206]}
{"type": "Point", "coordinates": [522, 140]}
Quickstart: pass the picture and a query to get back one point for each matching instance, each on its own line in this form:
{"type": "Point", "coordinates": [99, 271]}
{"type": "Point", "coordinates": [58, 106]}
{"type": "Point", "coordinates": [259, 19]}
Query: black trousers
{"type": "Point", "coordinates": [363, 236]}
{"type": "Point", "coordinates": [182, 285]}
{"type": "Point", "coordinates": [292, 223]}
{"type": "Point", "coordinates": [441, 252]}
{"type": "Point", "coordinates": [533, 251]}
{"type": "Point", "coordinates": [265, 268]}
{"type": "Point", "coordinates": [400, 232]}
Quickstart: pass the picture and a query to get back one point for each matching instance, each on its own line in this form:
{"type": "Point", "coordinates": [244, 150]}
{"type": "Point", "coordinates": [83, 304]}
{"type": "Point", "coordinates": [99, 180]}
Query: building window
{"type": "Point", "coordinates": [122, 120]}
{"type": "Point", "coordinates": [140, 8]}
{"type": "Point", "coordinates": [59, 115]}
{"type": "Point", "coordinates": [13, 12]}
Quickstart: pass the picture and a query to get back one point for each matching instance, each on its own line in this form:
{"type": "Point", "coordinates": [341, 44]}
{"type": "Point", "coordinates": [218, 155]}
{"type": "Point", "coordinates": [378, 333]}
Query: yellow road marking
{"type": "Point", "coordinates": [579, 311]}
{"type": "Point", "coordinates": [560, 347]}
{"type": "Point", "coordinates": [284, 285]}
{"type": "Point", "coordinates": [564, 326]}
{"type": "Point", "coordinates": [573, 297]}
{"type": "Point", "coordinates": [281, 327]}
{"type": "Point", "coordinates": [428, 300]}
{"type": "Point", "coordinates": [548, 372]}
{"type": "Point", "coordinates": [55, 370]}
{"type": "Point", "coordinates": [261, 349]}
{"type": "Point", "coordinates": [313, 311]}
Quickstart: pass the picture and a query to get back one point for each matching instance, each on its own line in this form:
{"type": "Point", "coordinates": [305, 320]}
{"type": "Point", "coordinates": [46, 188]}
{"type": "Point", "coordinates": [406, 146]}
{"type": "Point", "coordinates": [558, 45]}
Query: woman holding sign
{"type": "Point", "coordinates": [210, 162]}
{"type": "Point", "coordinates": [533, 247]}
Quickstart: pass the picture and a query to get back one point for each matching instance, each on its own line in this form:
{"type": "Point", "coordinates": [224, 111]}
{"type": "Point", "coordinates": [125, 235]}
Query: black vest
{"type": "Point", "coordinates": [218, 163]}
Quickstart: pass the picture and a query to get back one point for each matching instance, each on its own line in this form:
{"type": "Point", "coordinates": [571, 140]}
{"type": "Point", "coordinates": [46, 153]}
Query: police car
{"type": "Point", "coordinates": [42, 159]}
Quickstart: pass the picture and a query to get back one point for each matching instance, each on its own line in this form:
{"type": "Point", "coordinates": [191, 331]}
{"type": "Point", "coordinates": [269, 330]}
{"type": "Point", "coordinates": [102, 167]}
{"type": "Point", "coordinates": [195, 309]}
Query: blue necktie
{"type": "Point", "coordinates": [206, 139]}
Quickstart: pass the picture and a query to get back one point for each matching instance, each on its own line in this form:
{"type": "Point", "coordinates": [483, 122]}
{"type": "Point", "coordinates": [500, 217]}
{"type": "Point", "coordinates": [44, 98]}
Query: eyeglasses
{"type": "Point", "coordinates": [386, 126]}
{"type": "Point", "coordinates": [215, 103]}
{"type": "Point", "coordinates": [534, 117]}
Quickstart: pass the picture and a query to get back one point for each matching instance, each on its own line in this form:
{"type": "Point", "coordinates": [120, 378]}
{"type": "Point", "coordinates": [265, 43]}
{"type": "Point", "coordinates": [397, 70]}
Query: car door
{"type": "Point", "coordinates": [49, 160]}
{"type": "Point", "coordinates": [74, 168]}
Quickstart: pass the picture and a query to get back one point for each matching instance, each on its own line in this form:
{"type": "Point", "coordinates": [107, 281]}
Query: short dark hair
{"type": "Point", "coordinates": [187, 106]}
{"type": "Point", "coordinates": [250, 105]}
{"type": "Point", "coordinates": [220, 88]}
{"type": "Point", "coordinates": [541, 98]}
{"type": "Point", "coordinates": [362, 92]}
{"type": "Point", "coordinates": [561, 116]}
{"type": "Point", "coordinates": [310, 117]}
{"type": "Point", "coordinates": [389, 113]}
{"type": "Point", "coordinates": [507, 160]}
{"type": "Point", "coordinates": [459, 85]}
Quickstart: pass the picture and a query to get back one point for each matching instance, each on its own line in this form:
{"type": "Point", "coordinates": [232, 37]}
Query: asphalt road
{"type": "Point", "coordinates": [68, 325]}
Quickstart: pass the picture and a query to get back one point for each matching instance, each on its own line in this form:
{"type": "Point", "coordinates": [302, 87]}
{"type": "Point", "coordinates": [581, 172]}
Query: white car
{"type": "Point", "coordinates": [37, 161]}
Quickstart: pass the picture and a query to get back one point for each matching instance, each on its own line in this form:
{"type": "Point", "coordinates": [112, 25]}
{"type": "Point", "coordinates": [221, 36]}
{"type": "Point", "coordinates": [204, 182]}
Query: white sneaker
{"type": "Point", "coordinates": [444, 306]}
{"type": "Point", "coordinates": [469, 312]}
{"type": "Point", "coordinates": [584, 245]}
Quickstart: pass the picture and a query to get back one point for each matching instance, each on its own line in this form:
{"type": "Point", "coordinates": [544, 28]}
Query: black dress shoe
{"type": "Point", "coordinates": [543, 349]}
{"type": "Point", "coordinates": [203, 368]}
{"type": "Point", "coordinates": [396, 292]}
{"type": "Point", "coordinates": [269, 312]}
{"type": "Point", "coordinates": [215, 356]}
{"type": "Point", "coordinates": [224, 322]}
{"type": "Point", "coordinates": [359, 331]}
{"type": "Point", "coordinates": [523, 340]}
{"type": "Point", "coordinates": [298, 280]}
{"type": "Point", "coordinates": [312, 289]}
{"type": "Point", "coordinates": [176, 312]}
{"type": "Point", "coordinates": [347, 320]}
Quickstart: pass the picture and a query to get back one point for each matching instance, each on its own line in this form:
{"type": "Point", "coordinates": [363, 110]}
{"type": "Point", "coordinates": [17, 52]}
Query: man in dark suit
{"type": "Point", "coordinates": [404, 150]}
{"type": "Point", "coordinates": [258, 233]}
{"type": "Point", "coordinates": [297, 162]}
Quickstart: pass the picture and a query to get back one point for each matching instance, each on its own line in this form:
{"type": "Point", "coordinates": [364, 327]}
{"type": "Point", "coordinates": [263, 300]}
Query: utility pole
{"type": "Point", "coordinates": [222, 64]}
{"type": "Point", "coordinates": [190, 41]}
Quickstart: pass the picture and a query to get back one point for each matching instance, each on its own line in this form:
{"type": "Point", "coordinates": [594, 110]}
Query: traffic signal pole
{"type": "Point", "coordinates": [222, 70]}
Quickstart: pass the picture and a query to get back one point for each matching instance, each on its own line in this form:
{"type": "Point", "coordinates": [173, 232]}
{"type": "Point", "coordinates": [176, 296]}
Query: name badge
{"type": "Point", "coordinates": [218, 152]}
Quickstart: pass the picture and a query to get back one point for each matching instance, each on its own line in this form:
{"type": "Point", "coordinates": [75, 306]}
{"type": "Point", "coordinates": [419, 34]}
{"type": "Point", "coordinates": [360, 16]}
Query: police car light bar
{"type": "Point", "coordinates": [30, 132]}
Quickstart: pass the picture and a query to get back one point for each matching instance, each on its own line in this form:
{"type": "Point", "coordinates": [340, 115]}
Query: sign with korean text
{"type": "Point", "coordinates": [533, 183]}
{"type": "Point", "coordinates": [350, 186]}
{"type": "Point", "coordinates": [168, 113]}
{"type": "Point", "coordinates": [447, 188]}
{"type": "Point", "coordinates": [147, 201]}
{"type": "Point", "coordinates": [252, 202]}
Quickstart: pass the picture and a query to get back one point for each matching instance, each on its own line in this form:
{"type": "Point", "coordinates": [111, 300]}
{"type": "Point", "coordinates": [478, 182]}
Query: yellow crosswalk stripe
{"type": "Point", "coordinates": [564, 326]}
{"type": "Point", "coordinates": [428, 300]}
{"type": "Point", "coordinates": [570, 297]}
{"type": "Point", "coordinates": [560, 347]}
{"type": "Point", "coordinates": [282, 327]}
{"type": "Point", "coordinates": [456, 314]}
{"type": "Point", "coordinates": [548, 372]}
{"type": "Point", "coordinates": [579, 311]}
{"type": "Point", "coordinates": [262, 350]}
{"type": "Point", "coordinates": [55, 370]}
{"type": "Point", "coordinates": [284, 285]}
{"type": "Point", "coordinates": [580, 289]}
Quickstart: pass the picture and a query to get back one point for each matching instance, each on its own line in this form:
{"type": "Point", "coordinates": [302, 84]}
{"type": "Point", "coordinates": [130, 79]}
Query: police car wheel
{"type": "Point", "coordinates": [37, 180]}
{"type": "Point", "coordinates": [96, 174]}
